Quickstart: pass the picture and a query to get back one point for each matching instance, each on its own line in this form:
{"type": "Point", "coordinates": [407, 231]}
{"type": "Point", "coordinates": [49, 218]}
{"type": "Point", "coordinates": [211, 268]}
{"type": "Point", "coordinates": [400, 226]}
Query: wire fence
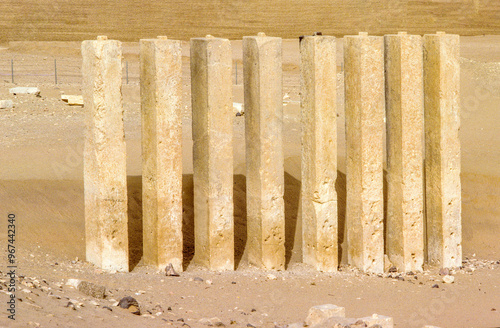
{"type": "Point", "coordinates": [64, 70]}
{"type": "Point", "coordinates": [55, 71]}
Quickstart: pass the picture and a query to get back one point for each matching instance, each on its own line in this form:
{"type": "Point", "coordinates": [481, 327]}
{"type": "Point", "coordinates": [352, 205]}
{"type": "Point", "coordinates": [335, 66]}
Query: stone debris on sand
{"type": "Point", "coordinates": [25, 90]}
{"type": "Point", "coordinates": [131, 304]}
{"type": "Point", "coordinates": [170, 272]}
{"type": "Point", "coordinates": [6, 104]}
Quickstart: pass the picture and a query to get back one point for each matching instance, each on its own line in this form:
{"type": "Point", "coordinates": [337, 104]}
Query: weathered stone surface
{"type": "Point", "coordinates": [25, 90]}
{"type": "Point", "coordinates": [319, 152]}
{"type": "Point", "coordinates": [364, 111]}
{"type": "Point", "coordinates": [105, 176]}
{"type": "Point", "coordinates": [442, 150]}
{"type": "Point", "coordinates": [6, 104]}
{"type": "Point", "coordinates": [320, 313]}
{"type": "Point", "coordinates": [381, 320]}
{"type": "Point", "coordinates": [337, 322]}
{"type": "Point", "coordinates": [262, 68]}
{"type": "Point", "coordinates": [405, 113]}
{"type": "Point", "coordinates": [211, 91]}
{"type": "Point", "coordinates": [161, 108]}
{"type": "Point", "coordinates": [73, 100]}
{"type": "Point", "coordinates": [92, 289]}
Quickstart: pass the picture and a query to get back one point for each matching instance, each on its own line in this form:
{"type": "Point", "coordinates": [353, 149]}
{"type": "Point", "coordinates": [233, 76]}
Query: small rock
{"type": "Point", "coordinates": [73, 100]}
{"type": "Point", "coordinates": [448, 279]}
{"type": "Point", "coordinates": [435, 286]}
{"type": "Point", "coordinates": [213, 322]}
{"type": "Point", "coordinates": [107, 308]}
{"type": "Point", "coordinates": [393, 269]}
{"type": "Point", "coordinates": [253, 310]}
{"type": "Point", "coordinates": [233, 282]}
{"type": "Point", "coordinates": [208, 282]}
{"type": "Point", "coordinates": [6, 104]}
{"type": "Point", "coordinates": [381, 320]}
{"type": "Point", "coordinates": [73, 283]}
{"type": "Point", "coordinates": [130, 303]}
{"type": "Point", "coordinates": [170, 272]}
{"type": "Point", "coordinates": [271, 277]}
{"type": "Point", "coordinates": [94, 303]}
{"type": "Point", "coordinates": [25, 90]}
{"type": "Point", "coordinates": [197, 279]}
{"type": "Point", "coordinates": [239, 109]}
{"type": "Point", "coordinates": [444, 271]}
{"type": "Point", "coordinates": [320, 313]}
{"type": "Point", "coordinates": [91, 289]}
{"type": "Point", "coordinates": [71, 305]}
{"type": "Point", "coordinates": [250, 325]}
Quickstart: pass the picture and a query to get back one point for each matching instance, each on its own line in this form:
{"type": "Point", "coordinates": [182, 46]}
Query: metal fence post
{"type": "Point", "coordinates": [55, 69]}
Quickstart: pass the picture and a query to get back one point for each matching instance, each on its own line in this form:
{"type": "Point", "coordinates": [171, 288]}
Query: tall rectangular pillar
{"type": "Point", "coordinates": [405, 126]}
{"type": "Point", "coordinates": [211, 96]}
{"type": "Point", "coordinates": [161, 111]}
{"type": "Point", "coordinates": [262, 71]}
{"type": "Point", "coordinates": [442, 150]}
{"type": "Point", "coordinates": [319, 152]}
{"type": "Point", "coordinates": [364, 111]}
{"type": "Point", "coordinates": [105, 175]}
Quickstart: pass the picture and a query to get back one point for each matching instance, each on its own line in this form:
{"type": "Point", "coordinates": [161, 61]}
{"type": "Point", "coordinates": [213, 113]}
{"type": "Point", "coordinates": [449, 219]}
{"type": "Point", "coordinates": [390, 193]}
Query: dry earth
{"type": "Point", "coordinates": [41, 183]}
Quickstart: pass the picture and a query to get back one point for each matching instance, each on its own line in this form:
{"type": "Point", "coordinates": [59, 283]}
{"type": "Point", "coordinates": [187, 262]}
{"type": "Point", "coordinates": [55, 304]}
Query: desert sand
{"type": "Point", "coordinates": [41, 183]}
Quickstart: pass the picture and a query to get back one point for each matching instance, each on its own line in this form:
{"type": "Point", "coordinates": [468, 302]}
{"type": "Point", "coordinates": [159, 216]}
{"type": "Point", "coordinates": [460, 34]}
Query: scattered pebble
{"type": "Point", "coordinates": [448, 279]}
{"type": "Point", "coordinates": [170, 272]}
{"type": "Point", "coordinates": [131, 304]}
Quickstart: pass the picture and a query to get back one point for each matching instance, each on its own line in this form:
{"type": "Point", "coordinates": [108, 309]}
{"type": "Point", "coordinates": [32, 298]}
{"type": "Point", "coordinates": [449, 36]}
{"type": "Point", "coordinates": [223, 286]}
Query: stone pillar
{"type": "Point", "coordinates": [405, 114]}
{"type": "Point", "coordinates": [262, 71]}
{"type": "Point", "coordinates": [211, 96]}
{"type": "Point", "coordinates": [319, 152]}
{"type": "Point", "coordinates": [442, 150]}
{"type": "Point", "coordinates": [161, 108]}
{"type": "Point", "coordinates": [364, 111]}
{"type": "Point", "coordinates": [105, 175]}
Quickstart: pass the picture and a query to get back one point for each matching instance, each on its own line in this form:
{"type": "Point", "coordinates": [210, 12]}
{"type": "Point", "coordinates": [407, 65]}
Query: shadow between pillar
{"type": "Point", "coordinates": [340, 188]}
{"type": "Point", "coordinates": [293, 242]}
{"type": "Point", "coordinates": [134, 192]}
{"type": "Point", "coordinates": [187, 219]}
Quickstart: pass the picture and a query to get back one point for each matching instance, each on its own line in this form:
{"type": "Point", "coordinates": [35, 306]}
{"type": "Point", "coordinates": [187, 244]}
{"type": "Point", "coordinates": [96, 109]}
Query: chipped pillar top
{"type": "Point", "coordinates": [102, 37]}
{"type": "Point", "coordinates": [162, 37]}
{"type": "Point", "coordinates": [208, 37]}
{"type": "Point", "coordinates": [440, 33]}
{"type": "Point", "coordinates": [261, 37]}
{"type": "Point", "coordinates": [363, 34]}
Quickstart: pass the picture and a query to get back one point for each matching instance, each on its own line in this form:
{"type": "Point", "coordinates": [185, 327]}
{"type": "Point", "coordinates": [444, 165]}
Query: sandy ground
{"type": "Point", "coordinates": [41, 183]}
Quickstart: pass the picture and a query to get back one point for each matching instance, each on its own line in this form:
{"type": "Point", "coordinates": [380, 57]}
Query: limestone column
{"type": "Point", "coordinates": [319, 152]}
{"type": "Point", "coordinates": [211, 96]}
{"type": "Point", "coordinates": [161, 110]}
{"type": "Point", "coordinates": [262, 72]}
{"type": "Point", "coordinates": [364, 111]}
{"type": "Point", "coordinates": [105, 176]}
{"type": "Point", "coordinates": [442, 150]}
{"type": "Point", "coordinates": [405, 126]}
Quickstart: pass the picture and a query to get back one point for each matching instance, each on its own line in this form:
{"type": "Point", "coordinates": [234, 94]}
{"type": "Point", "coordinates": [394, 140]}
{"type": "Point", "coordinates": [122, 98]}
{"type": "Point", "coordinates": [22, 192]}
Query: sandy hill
{"type": "Point", "coordinates": [130, 20]}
